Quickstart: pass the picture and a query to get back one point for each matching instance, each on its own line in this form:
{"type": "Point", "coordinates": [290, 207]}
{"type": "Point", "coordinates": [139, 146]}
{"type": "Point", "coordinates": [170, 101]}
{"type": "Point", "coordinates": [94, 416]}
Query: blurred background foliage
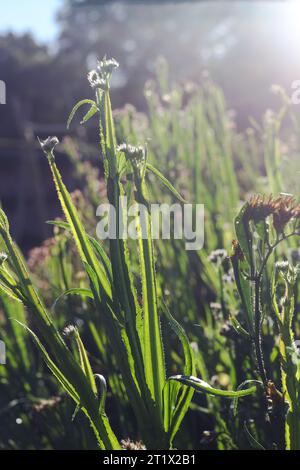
{"type": "Point", "coordinates": [244, 46]}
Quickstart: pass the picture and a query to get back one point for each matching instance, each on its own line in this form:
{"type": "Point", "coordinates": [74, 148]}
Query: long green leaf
{"type": "Point", "coordinates": [252, 441]}
{"type": "Point", "coordinates": [165, 182]}
{"type": "Point", "coordinates": [82, 292]}
{"type": "Point", "coordinates": [85, 363]}
{"type": "Point", "coordinates": [52, 366]}
{"type": "Point", "coordinates": [178, 408]}
{"type": "Point", "coordinates": [77, 229]}
{"type": "Point", "coordinates": [244, 289]}
{"type": "Point", "coordinates": [153, 346]}
{"type": "Point", "coordinates": [243, 234]}
{"type": "Point", "coordinates": [201, 386]}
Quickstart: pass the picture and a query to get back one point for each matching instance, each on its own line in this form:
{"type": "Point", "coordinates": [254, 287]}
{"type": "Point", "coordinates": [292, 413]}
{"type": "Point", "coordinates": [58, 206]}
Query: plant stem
{"type": "Point", "coordinates": [257, 307]}
{"type": "Point", "coordinates": [257, 328]}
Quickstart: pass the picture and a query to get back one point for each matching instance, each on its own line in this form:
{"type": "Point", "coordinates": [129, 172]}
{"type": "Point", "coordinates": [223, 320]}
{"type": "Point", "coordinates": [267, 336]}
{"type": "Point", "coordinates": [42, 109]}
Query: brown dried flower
{"type": "Point", "coordinates": [283, 212]}
{"type": "Point", "coordinates": [237, 251]}
{"type": "Point", "coordinates": [283, 208]}
{"type": "Point", "coordinates": [259, 208]}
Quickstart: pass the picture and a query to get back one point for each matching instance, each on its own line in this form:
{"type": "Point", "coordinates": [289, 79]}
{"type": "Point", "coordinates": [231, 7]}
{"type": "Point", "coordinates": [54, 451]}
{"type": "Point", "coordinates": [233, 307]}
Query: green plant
{"type": "Point", "coordinates": [262, 226]}
{"type": "Point", "coordinates": [117, 308]}
{"type": "Point", "coordinates": [132, 329]}
{"type": "Point", "coordinates": [77, 379]}
{"type": "Point", "coordinates": [284, 309]}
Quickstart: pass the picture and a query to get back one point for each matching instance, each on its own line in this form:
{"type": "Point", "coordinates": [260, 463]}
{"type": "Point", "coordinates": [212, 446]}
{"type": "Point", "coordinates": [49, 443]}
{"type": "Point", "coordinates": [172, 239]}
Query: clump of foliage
{"type": "Point", "coordinates": [121, 309]}
{"type": "Point", "coordinates": [262, 225]}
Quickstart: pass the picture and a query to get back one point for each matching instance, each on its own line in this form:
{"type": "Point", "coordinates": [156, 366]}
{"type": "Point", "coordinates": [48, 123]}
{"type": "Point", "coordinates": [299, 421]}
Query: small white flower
{"type": "Point", "coordinates": [95, 80]}
{"type": "Point", "coordinates": [135, 154]}
{"type": "Point", "coordinates": [107, 66]}
{"type": "Point", "coordinates": [69, 330]}
{"type": "Point", "coordinates": [282, 266]}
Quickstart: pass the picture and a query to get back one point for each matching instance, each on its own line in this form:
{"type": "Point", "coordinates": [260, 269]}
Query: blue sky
{"type": "Point", "coordinates": [37, 16]}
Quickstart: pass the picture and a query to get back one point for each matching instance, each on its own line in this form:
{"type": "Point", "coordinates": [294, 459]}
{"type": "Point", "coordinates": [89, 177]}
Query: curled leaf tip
{"type": "Point", "coordinates": [101, 390]}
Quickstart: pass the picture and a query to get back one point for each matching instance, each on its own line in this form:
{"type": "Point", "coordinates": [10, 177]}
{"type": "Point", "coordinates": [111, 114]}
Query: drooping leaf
{"type": "Point", "coordinates": [77, 106]}
{"type": "Point", "coordinates": [82, 292]}
{"type": "Point", "coordinates": [252, 441]}
{"type": "Point", "coordinates": [235, 401]}
{"type": "Point", "coordinates": [102, 391]}
{"type": "Point", "coordinates": [92, 111]}
{"type": "Point", "coordinates": [165, 182]}
{"type": "Point", "coordinates": [201, 386]}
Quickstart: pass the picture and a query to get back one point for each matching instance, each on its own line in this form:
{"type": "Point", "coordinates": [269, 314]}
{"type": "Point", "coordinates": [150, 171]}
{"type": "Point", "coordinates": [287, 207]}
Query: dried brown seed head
{"type": "Point", "coordinates": [283, 208]}
{"type": "Point", "coordinates": [237, 252]}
